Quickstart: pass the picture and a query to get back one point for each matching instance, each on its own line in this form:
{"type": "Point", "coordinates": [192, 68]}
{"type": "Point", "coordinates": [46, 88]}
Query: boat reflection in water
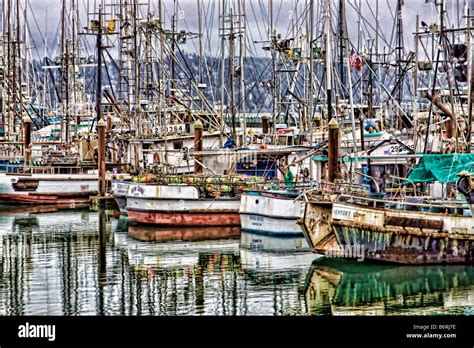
{"type": "Point", "coordinates": [48, 261]}
{"type": "Point", "coordinates": [169, 247]}
{"type": "Point", "coordinates": [276, 267]}
{"type": "Point", "coordinates": [346, 287]}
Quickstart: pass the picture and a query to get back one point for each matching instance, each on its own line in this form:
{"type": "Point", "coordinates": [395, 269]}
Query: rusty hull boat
{"type": "Point", "coordinates": [353, 226]}
{"type": "Point", "coordinates": [179, 205]}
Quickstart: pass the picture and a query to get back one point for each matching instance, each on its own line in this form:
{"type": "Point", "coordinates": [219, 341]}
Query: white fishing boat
{"type": "Point", "coordinates": [180, 205]}
{"type": "Point", "coordinates": [271, 212]}
{"type": "Point", "coordinates": [40, 189]}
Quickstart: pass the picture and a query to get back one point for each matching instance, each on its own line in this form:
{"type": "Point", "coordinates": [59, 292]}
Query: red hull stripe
{"type": "Point", "coordinates": [184, 219]}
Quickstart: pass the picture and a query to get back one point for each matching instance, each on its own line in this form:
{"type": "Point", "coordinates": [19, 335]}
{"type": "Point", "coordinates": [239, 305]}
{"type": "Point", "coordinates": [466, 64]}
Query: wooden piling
{"type": "Point", "coordinates": [198, 145]}
{"type": "Point", "coordinates": [333, 150]}
{"type": "Point", "coordinates": [101, 156]}
{"type": "Point", "coordinates": [265, 124]}
{"type": "Point", "coordinates": [27, 139]}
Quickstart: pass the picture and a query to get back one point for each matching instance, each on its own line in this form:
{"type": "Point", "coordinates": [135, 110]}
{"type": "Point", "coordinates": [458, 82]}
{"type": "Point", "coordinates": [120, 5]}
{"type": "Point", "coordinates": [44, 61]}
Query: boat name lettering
{"type": "Point", "coordinates": [256, 218]}
{"type": "Point", "coordinates": [340, 212]}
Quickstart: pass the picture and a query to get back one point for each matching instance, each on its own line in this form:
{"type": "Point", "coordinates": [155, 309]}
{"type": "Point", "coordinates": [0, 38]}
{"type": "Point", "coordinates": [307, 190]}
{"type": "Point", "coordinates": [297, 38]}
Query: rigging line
{"type": "Point", "coordinates": [279, 11]}
{"type": "Point", "coordinates": [255, 18]}
{"type": "Point", "coordinates": [209, 29]}
{"type": "Point", "coordinates": [427, 84]}
{"type": "Point", "coordinates": [390, 96]}
{"type": "Point", "coordinates": [205, 60]}
{"type": "Point", "coordinates": [431, 104]}
{"type": "Point", "coordinates": [108, 75]}
{"type": "Point", "coordinates": [366, 23]}
{"type": "Point", "coordinates": [380, 33]}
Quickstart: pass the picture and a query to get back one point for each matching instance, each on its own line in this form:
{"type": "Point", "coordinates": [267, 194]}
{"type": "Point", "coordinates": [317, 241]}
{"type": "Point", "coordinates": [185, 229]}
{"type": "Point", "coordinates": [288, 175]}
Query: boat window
{"type": "Point", "coordinates": [178, 145]}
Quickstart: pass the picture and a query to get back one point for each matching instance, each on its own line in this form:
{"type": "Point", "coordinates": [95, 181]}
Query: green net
{"type": "Point", "coordinates": [442, 168]}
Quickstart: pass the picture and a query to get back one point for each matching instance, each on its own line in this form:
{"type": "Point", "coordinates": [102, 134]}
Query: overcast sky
{"type": "Point", "coordinates": [47, 14]}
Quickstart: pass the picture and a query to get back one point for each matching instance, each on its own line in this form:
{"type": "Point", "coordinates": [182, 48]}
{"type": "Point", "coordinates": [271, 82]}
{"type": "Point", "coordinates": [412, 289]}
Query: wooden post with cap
{"type": "Point", "coordinates": [101, 156]}
{"type": "Point", "coordinates": [265, 124]}
{"type": "Point", "coordinates": [333, 149]}
{"type": "Point", "coordinates": [198, 145]}
{"type": "Point", "coordinates": [27, 124]}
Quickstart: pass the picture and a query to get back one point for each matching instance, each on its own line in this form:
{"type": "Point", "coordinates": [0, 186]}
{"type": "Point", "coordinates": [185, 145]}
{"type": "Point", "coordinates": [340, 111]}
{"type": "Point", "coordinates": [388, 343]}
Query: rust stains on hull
{"type": "Point", "coordinates": [185, 218]}
{"type": "Point", "coordinates": [406, 246]}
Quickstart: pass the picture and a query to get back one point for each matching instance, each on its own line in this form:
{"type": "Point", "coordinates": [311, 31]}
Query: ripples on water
{"type": "Point", "coordinates": [54, 264]}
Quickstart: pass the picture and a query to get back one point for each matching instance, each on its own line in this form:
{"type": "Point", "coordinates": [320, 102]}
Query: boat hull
{"type": "Point", "coordinates": [185, 218]}
{"type": "Point", "coordinates": [403, 246]}
{"type": "Point", "coordinates": [404, 237]}
{"type": "Point", "coordinates": [65, 190]}
{"type": "Point", "coordinates": [270, 213]}
{"type": "Point", "coordinates": [119, 192]}
{"type": "Point", "coordinates": [121, 203]}
{"type": "Point", "coordinates": [70, 201]}
{"type": "Point", "coordinates": [179, 206]}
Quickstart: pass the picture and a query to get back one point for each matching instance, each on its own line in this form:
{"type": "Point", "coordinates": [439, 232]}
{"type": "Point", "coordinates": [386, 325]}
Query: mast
{"type": "Point", "coordinates": [274, 67]}
{"type": "Point", "coordinates": [64, 79]}
{"type": "Point", "coordinates": [341, 42]}
{"type": "Point", "coordinates": [222, 13]}
{"type": "Point", "coordinates": [232, 75]}
{"type": "Point", "coordinates": [99, 69]}
{"type": "Point", "coordinates": [469, 19]}
{"type": "Point", "coordinates": [399, 50]}
{"type": "Point", "coordinates": [242, 49]}
{"type": "Point", "coordinates": [18, 42]}
{"type": "Point", "coordinates": [309, 114]}
{"type": "Point", "coordinates": [328, 61]}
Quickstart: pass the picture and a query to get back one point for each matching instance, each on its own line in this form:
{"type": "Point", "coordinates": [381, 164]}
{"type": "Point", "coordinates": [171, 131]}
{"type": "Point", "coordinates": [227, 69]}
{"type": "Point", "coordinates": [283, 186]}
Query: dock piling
{"type": "Point", "coordinates": [101, 156]}
{"type": "Point", "coordinates": [333, 149]}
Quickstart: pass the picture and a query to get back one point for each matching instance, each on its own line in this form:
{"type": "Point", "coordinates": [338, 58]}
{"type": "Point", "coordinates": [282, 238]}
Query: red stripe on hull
{"type": "Point", "coordinates": [37, 199]}
{"type": "Point", "coordinates": [185, 219]}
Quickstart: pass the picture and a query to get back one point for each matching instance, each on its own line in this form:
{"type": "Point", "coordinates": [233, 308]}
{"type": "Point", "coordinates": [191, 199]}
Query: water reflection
{"type": "Point", "coordinates": [90, 263]}
{"type": "Point", "coordinates": [276, 267]}
{"type": "Point", "coordinates": [341, 287]}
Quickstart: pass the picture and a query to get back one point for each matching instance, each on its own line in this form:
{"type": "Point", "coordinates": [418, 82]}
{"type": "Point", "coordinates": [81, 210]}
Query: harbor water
{"type": "Point", "coordinates": [55, 263]}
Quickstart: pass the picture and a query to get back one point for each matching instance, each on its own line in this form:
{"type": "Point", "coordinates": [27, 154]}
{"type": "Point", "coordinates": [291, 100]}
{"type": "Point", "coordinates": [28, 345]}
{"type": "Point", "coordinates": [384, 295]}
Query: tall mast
{"type": "Point", "coordinates": [309, 114]}
{"type": "Point", "coordinates": [242, 49]}
{"type": "Point", "coordinates": [470, 46]}
{"type": "Point", "coordinates": [99, 69]}
{"type": "Point", "coordinates": [10, 70]}
{"type": "Point", "coordinates": [341, 43]}
{"type": "Point", "coordinates": [222, 13]}
{"type": "Point", "coordinates": [232, 75]}
{"type": "Point", "coordinates": [273, 41]}
{"type": "Point", "coordinates": [399, 49]}
{"type": "Point", "coordinates": [20, 69]}
{"type": "Point", "coordinates": [328, 61]}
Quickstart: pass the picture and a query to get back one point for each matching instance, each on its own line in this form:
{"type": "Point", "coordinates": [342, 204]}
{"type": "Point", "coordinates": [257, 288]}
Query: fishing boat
{"type": "Point", "coordinates": [40, 189]}
{"type": "Point", "coordinates": [422, 230]}
{"type": "Point", "coordinates": [271, 212]}
{"type": "Point", "coordinates": [180, 205]}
